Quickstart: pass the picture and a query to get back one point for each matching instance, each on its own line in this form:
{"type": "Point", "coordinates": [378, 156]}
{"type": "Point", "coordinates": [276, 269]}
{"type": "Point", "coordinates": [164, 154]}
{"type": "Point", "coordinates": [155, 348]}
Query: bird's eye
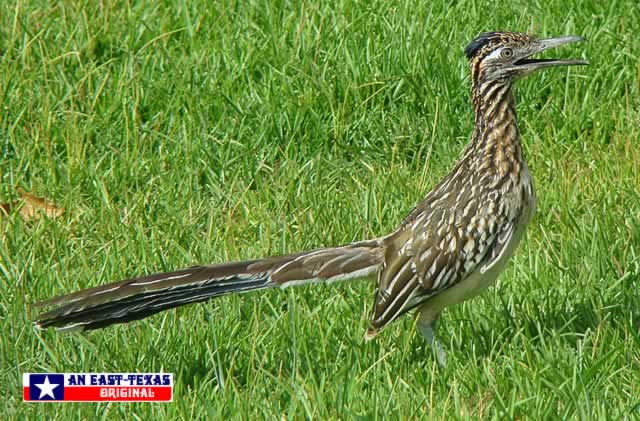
{"type": "Point", "coordinates": [506, 53]}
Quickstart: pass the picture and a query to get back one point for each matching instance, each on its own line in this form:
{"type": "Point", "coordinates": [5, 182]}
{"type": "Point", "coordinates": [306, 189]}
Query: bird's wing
{"type": "Point", "coordinates": [426, 258]}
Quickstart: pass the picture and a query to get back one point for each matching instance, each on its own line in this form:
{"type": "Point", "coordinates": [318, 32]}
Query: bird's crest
{"type": "Point", "coordinates": [486, 42]}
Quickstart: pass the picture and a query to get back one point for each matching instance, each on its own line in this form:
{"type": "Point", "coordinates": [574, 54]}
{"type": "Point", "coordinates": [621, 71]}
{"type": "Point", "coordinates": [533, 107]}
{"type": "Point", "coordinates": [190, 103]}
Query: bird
{"type": "Point", "coordinates": [449, 248]}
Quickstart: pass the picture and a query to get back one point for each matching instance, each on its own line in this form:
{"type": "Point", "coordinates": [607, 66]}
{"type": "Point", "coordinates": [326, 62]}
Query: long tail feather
{"type": "Point", "coordinates": [137, 298]}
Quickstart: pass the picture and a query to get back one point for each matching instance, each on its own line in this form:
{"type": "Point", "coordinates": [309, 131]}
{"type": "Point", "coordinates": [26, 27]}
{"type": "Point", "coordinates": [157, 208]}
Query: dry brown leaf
{"type": "Point", "coordinates": [31, 207]}
{"type": "Point", "coordinates": [34, 206]}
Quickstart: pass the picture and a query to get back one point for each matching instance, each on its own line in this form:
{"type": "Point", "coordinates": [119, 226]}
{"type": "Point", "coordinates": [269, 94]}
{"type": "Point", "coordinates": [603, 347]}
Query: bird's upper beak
{"type": "Point", "coordinates": [528, 65]}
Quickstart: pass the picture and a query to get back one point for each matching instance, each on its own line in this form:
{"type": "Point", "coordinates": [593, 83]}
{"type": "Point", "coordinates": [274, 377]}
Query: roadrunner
{"type": "Point", "coordinates": [448, 249]}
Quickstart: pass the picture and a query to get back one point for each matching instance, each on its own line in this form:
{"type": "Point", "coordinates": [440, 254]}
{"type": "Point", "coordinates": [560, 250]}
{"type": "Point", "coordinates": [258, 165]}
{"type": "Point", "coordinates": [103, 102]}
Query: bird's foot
{"type": "Point", "coordinates": [428, 332]}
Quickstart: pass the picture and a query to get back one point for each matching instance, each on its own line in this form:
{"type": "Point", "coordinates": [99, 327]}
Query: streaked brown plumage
{"type": "Point", "coordinates": [448, 249]}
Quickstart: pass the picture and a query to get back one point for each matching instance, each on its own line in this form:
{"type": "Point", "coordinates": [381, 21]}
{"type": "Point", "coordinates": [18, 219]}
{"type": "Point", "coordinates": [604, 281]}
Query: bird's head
{"type": "Point", "coordinates": [505, 56]}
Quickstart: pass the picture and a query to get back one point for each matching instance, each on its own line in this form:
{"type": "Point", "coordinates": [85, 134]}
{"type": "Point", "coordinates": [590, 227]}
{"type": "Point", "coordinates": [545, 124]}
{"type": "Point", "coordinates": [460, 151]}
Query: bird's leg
{"type": "Point", "coordinates": [427, 324]}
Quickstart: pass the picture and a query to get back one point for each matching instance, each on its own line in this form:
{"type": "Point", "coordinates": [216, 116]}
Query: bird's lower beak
{"type": "Point", "coordinates": [529, 65]}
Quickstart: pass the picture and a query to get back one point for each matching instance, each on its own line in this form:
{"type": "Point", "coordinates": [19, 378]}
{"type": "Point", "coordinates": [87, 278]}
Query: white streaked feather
{"type": "Point", "coordinates": [193, 298]}
{"type": "Point", "coordinates": [327, 264]}
{"type": "Point", "coordinates": [99, 293]}
{"type": "Point", "coordinates": [425, 254]}
{"type": "Point", "coordinates": [503, 244]}
{"type": "Point", "coordinates": [351, 259]}
{"type": "Point", "coordinates": [404, 305]}
{"type": "Point", "coordinates": [297, 259]}
{"type": "Point", "coordinates": [398, 273]}
{"type": "Point", "coordinates": [438, 279]}
{"type": "Point", "coordinates": [167, 278]}
{"type": "Point", "coordinates": [360, 273]}
{"type": "Point", "coordinates": [72, 327]}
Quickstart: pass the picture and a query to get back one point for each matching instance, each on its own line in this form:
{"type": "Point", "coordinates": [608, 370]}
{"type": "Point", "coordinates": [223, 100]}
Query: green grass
{"type": "Point", "coordinates": [199, 132]}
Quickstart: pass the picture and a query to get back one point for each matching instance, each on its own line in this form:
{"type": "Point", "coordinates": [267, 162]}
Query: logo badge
{"type": "Point", "coordinates": [97, 387]}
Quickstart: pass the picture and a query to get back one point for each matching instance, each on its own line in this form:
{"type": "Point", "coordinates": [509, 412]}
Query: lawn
{"type": "Point", "coordinates": [178, 133]}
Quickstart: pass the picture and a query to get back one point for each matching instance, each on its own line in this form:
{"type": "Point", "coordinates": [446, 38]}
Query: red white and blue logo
{"type": "Point", "coordinates": [97, 387]}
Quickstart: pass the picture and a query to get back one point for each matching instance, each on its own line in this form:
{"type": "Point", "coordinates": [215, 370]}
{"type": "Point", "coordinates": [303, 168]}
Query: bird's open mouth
{"type": "Point", "coordinates": [546, 44]}
{"type": "Point", "coordinates": [538, 60]}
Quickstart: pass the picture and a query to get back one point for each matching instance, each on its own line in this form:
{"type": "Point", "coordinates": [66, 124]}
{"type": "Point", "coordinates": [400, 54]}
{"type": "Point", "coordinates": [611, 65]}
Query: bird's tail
{"type": "Point", "coordinates": [137, 298]}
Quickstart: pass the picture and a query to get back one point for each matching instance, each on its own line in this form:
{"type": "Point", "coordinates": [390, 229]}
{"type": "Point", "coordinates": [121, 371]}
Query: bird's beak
{"type": "Point", "coordinates": [527, 65]}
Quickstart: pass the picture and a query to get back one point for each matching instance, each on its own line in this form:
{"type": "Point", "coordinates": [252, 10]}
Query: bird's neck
{"type": "Point", "coordinates": [496, 140]}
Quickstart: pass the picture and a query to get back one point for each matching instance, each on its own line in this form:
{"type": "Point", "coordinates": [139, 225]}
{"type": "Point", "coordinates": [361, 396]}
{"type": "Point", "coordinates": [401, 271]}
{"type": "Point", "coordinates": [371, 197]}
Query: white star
{"type": "Point", "coordinates": [46, 388]}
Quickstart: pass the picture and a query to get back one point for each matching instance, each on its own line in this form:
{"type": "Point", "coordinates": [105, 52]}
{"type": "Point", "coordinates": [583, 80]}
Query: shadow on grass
{"type": "Point", "coordinates": [569, 323]}
{"type": "Point", "coordinates": [556, 319]}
